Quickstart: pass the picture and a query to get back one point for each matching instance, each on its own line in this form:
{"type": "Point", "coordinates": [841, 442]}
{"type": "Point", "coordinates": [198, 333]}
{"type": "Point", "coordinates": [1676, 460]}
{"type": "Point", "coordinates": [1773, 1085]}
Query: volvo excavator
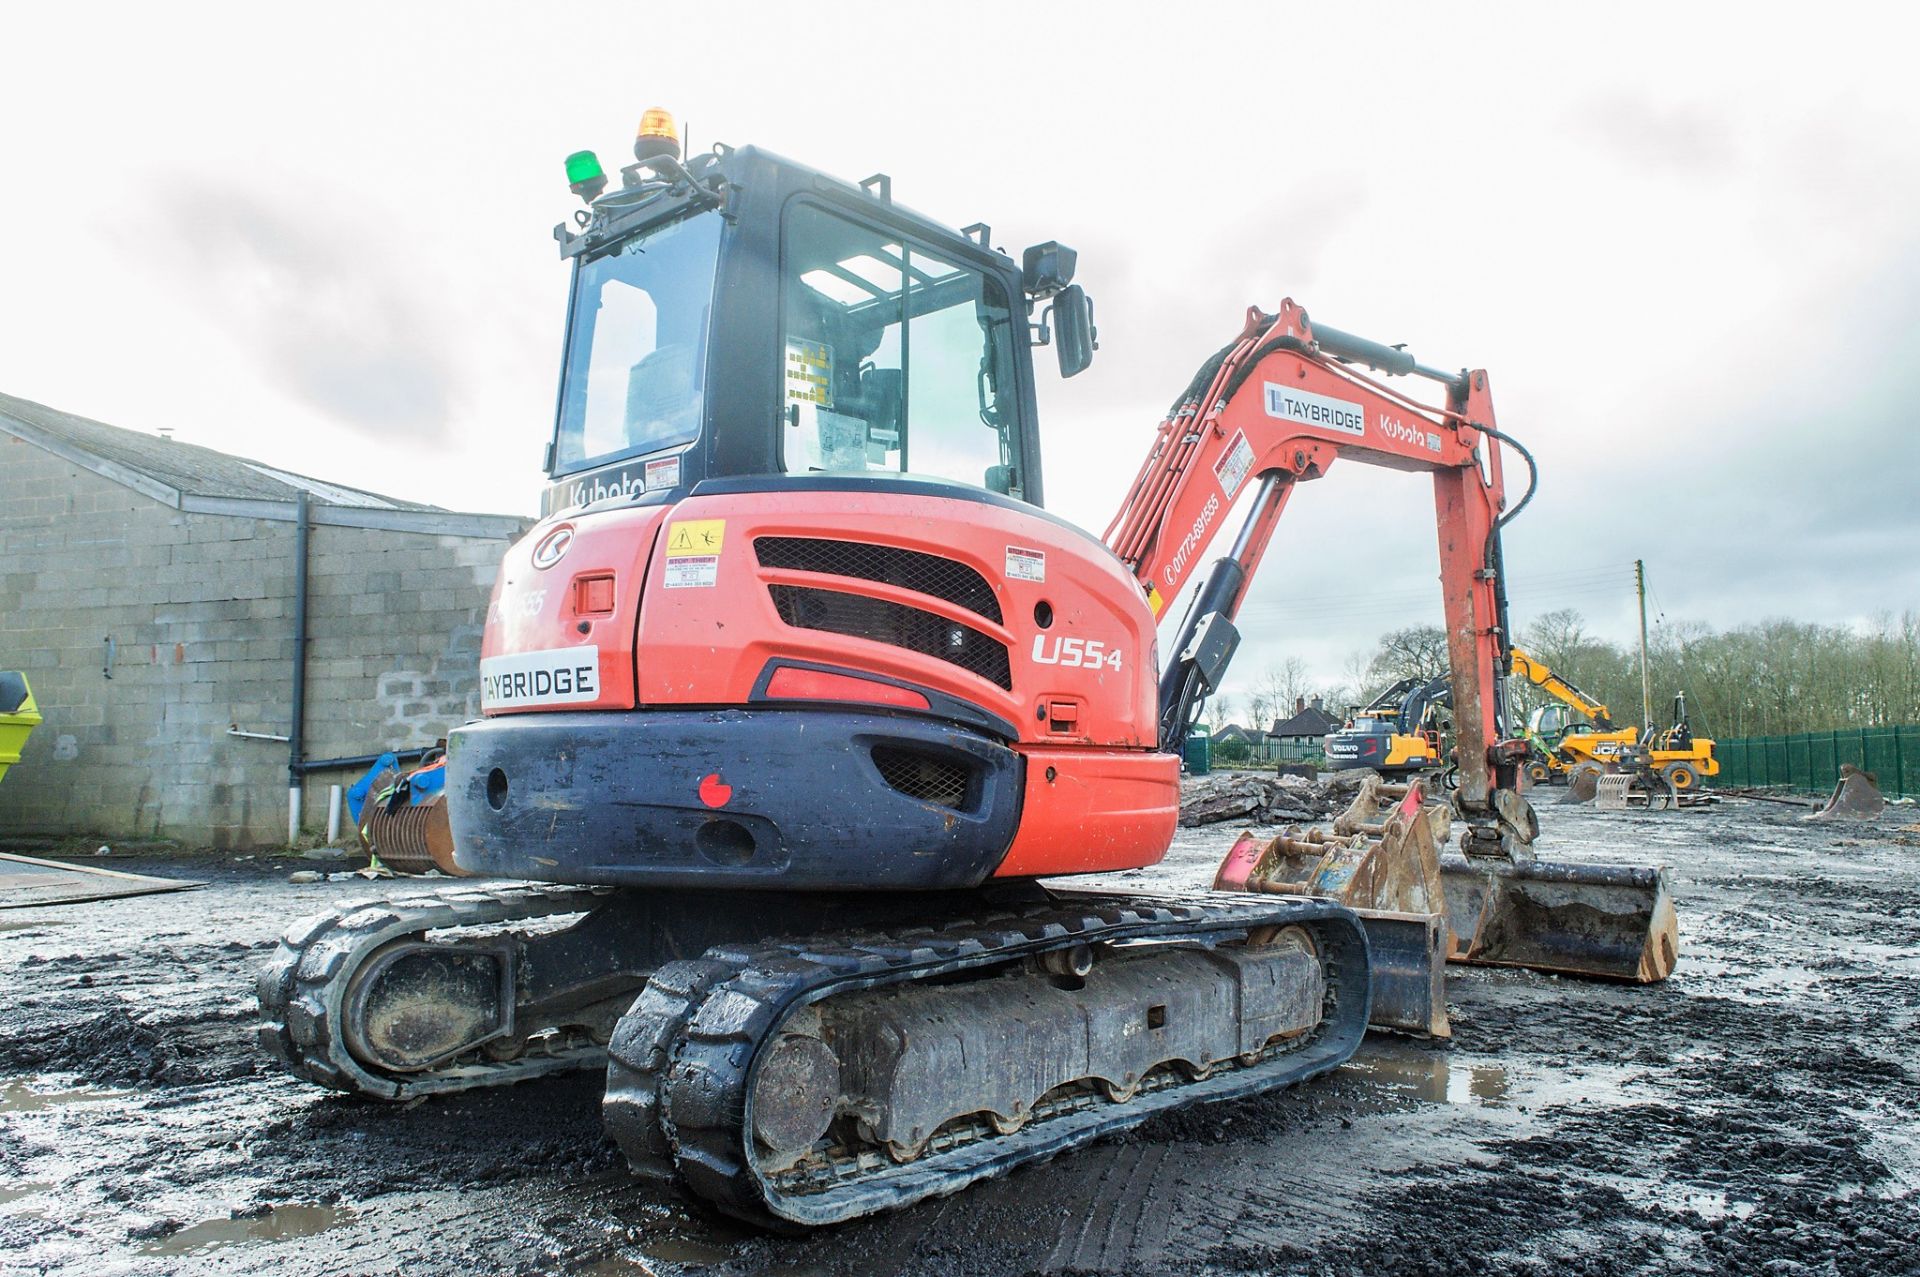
{"type": "Point", "coordinates": [1400, 731]}
{"type": "Point", "coordinates": [797, 692]}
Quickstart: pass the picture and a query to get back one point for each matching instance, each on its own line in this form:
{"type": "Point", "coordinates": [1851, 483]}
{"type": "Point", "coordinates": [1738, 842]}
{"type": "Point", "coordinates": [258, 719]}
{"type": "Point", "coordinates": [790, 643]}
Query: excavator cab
{"type": "Point", "coordinates": [1680, 735]}
{"type": "Point", "coordinates": [746, 315]}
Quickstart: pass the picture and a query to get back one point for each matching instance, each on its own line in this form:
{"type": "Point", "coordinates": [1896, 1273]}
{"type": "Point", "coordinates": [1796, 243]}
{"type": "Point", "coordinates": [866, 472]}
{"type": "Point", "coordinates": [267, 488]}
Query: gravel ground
{"type": "Point", "coordinates": [1756, 1114]}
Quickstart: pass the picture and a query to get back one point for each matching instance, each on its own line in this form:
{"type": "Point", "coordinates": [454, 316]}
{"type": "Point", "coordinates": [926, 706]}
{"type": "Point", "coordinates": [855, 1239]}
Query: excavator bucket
{"type": "Point", "coordinates": [1615, 922]}
{"type": "Point", "coordinates": [1583, 784]}
{"type": "Point", "coordinates": [1856, 796]}
{"type": "Point", "coordinates": [1385, 865]}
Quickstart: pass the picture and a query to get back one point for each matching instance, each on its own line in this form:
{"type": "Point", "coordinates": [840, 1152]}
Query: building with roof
{"type": "Point", "coordinates": [1300, 737]}
{"type": "Point", "coordinates": [151, 592]}
{"type": "Point", "coordinates": [1234, 734]}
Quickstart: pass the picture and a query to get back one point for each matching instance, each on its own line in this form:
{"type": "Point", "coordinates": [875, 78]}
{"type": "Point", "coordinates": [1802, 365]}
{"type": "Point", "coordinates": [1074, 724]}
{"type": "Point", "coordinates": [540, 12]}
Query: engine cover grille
{"type": "Point", "coordinates": [945, 579]}
{"type": "Point", "coordinates": [882, 621]}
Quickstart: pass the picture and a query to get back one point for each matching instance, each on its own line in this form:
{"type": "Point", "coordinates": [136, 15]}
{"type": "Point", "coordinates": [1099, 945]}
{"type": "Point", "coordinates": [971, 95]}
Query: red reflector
{"type": "Point", "coordinates": [593, 595]}
{"type": "Point", "coordinates": [789, 684]}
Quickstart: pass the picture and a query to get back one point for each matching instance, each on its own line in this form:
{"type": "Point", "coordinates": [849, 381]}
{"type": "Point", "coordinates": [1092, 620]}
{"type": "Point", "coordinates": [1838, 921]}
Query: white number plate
{"type": "Point", "coordinates": [559, 676]}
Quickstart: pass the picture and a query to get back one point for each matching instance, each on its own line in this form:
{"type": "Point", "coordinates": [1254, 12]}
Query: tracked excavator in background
{"type": "Point", "coordinates": [1400, 731]}
{"type": "Point", "coordinates": [797, 690]}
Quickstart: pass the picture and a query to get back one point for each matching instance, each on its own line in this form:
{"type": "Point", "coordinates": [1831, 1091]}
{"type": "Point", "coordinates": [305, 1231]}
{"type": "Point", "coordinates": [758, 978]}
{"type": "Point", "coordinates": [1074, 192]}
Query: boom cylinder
{"type": "Point", "coordinates": [1395, 361]}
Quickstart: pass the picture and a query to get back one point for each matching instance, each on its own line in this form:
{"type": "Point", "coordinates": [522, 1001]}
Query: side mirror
{"type": "Point", "coordinates": [1074, 334]}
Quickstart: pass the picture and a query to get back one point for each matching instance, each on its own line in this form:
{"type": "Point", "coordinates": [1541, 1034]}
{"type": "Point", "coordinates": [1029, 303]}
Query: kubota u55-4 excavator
{"type": "Point", "coordinates": [797, 690]}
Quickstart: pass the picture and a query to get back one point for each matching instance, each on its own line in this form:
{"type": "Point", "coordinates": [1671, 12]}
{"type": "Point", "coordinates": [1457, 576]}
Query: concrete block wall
{"type": "Point", "coordinates": [199, 609]}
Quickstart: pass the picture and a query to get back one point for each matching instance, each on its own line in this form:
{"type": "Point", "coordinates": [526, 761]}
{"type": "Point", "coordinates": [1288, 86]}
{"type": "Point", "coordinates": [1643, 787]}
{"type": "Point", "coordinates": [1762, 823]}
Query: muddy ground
{"type": "Point", "coordinates": [1758, 1114]}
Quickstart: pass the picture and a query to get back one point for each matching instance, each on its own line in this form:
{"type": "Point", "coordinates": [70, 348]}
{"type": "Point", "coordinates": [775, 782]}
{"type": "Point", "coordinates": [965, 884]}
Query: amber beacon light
{"type": "Point", "coordinates": [657, 137]}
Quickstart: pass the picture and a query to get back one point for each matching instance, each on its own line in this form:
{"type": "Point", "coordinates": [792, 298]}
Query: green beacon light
{"type": "Point", "coordinates": [585, 177]}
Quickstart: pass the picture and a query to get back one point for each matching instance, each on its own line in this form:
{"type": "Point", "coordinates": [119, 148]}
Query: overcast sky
{"type": "Point", "coordinates": [1684, 243]}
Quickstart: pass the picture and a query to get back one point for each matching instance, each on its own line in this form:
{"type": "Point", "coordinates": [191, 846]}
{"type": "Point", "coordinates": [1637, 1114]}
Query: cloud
{"type": "Point", "coordinates": [321, 304]}
{"type": "Point", "coordinates": [1658, 136]}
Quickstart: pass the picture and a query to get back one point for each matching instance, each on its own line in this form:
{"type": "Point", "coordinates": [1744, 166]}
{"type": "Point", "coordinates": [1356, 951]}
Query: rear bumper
{"type": "Point", "coordinates": [763, 798]}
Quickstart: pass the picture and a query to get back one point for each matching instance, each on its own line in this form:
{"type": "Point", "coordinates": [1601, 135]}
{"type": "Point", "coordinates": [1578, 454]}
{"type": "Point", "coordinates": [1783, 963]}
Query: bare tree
{"type": "Point", "coordinates": [1283, 686]}
{"type": "Point", "coordinates": [1557, 637]}
{"type": "Point", "coordinates": [1418, 651]}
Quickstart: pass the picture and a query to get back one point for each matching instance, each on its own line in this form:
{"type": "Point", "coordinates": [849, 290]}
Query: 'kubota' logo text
{"type": "Point", "coordinates": [1398, 431]}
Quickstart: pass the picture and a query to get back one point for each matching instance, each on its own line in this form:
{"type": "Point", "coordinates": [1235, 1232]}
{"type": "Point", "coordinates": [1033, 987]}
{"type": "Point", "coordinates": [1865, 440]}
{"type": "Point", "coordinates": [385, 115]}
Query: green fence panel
{"type": "Point", "coordinates": [1812, 760]}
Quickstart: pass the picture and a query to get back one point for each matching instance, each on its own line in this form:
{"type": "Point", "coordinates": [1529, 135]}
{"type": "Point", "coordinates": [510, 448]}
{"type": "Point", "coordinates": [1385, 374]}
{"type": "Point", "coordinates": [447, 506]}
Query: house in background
{"type": "Point", "coordinates": [149, 590]}
{"type": "Point", "coordinates": [1234, 734]}
{"type": "Point", "coordinates": [1298, 739]}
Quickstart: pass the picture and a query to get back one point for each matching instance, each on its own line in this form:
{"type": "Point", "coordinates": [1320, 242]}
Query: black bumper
{"type": "Point", "coordinates": [1347, 751]}
{"type": "Point", "coordinates": [764, 798]}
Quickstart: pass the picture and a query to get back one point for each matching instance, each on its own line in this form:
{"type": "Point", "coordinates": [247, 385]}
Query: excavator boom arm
{"type": "Point", "coordinates": [1280, 405]}
{"type": "Point", "coordinates": [1537, 672]}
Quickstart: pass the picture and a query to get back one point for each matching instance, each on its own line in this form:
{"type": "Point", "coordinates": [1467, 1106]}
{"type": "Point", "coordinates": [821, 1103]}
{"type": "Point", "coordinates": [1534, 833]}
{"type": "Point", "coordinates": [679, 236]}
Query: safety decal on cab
{"type": "Point", "coordinates": [1232, 468]}
{"type": "Point", "coordinates": [1026, 565]}
{"type": "Point", "coordinates": [663, 472]}
{"type": "Point", "coordinates": [810, 372]}
{"type": "Point", "coordinates": [693, 553]}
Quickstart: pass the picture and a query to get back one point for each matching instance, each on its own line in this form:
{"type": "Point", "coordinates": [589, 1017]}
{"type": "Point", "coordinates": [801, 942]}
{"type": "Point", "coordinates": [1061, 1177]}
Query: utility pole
{"type": "Point", "coordinates": [1646, 683]}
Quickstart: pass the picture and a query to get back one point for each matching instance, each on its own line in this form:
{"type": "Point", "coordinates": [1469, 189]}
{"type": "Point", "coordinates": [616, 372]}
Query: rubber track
{"type": "Point", "coordinates": [680, 1066]}
{"type": "Point", "coordinates": [302, 987]}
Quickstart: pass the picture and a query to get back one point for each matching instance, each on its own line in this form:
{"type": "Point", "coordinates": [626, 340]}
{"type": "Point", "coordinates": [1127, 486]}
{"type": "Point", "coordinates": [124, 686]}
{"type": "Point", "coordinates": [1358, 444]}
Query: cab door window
{"type": "Point", "coordinates": [896, 359]}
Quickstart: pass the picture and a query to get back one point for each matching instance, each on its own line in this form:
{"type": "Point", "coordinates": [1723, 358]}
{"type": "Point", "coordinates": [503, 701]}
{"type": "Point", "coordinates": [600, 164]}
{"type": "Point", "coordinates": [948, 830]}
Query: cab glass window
{"type": "Point", "coordinates": [896, 358]}
{"type": "Point", "coordinates": [636, 361]}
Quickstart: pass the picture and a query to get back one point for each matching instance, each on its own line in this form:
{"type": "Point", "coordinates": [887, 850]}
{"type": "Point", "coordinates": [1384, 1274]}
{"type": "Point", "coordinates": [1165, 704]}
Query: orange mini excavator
{"type": "Point", "coordinates": [796, 691]}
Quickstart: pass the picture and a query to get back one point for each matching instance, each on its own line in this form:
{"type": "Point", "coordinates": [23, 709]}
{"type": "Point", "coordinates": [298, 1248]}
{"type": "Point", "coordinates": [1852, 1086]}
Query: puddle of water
{"type": "Point", "coordinates": [1392, 1072]}
{"type": "Point", "coordinates": [1385, 1074]}
{"type": "Point", "coordinates": [18, 1097]}
{"type": "Point", "coordinates": [684, 1250]}
{"type": "Point", "coordinates": [1710, 1204]}
{"type": "Point", "coordinates": [282, 1223]}
{"type": "Point", "coordinates": [679, 1252]}
{"type": "Point", "coordinates": [619, 1266]}
{"type": "Point", "coordinates": [22, 1188]}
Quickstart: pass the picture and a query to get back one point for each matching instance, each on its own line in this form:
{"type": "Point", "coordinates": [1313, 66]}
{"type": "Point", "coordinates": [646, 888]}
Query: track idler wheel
{"type": "Point", "coordinates": [414, 1005]}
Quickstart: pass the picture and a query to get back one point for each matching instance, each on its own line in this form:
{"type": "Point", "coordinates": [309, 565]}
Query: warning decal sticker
{"type": "Point", "coordinates": [694, 570]}
{"type": "Point", "coordinates": [696, 536]}
{"type": "Point", "coordinates": [1232, 469]}
{"type": "Point", "coordinates": [1026, 565]}
{"type": "Point", "coordinates": [810, 372]}
{"type": "Point", "coordinates": [693, 553]}
{"type": "Point", "coordinates": [663, 472]}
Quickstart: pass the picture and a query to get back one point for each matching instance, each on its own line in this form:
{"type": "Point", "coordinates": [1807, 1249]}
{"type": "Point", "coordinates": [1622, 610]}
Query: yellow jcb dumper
{"type": "Point", "coordinates": [1561, 746]}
